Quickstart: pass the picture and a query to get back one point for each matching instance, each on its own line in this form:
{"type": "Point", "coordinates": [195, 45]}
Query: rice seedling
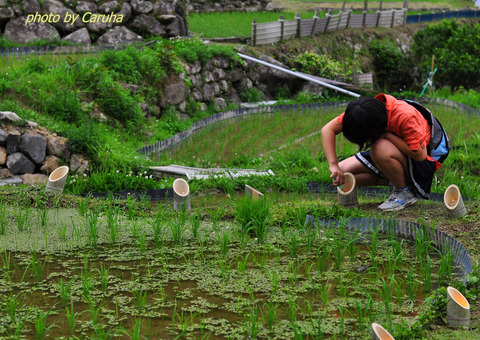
{"type": "Point", "coordinates": [386, 292]}
{"type": "Point", "coordinates": [293, 245]}
{"type": "Point", "coordinates": [323, 255]}
{"type": "Point", "coordinates": [136, 329]}
{"type": "Point", "coordinates": [94, 312]}
{"type": "Point", "coordinates": [62, 231]}
{"type": "Point", "coordinates": [38, 267]}
{"type": "Point", "coordinates": [224, 269]}
{"type": "Point", "coordinates": [177, 228]}
{"type": "Point", "coordinates": [103, 272]}
{"type": "Point", "coordinates": [65, 290]}
{"type": "Point", "coordinates": [339, 251]}
{"type": "Point", "coordinates": [342, 320]}
{"type": "Point", "coordinates": [292, 309]}
{"type": "Point", "coordinates": [445, 266]}
{"type": "Point", "coordinates": [325, 294]}
{"type": "Point", "coordinates": [195, 222]}
{"type": "Point", "coordinates": [113, 226]}
{"type": "Point", "coordinates": [157, 226]}
{"type": "Point", "coordinates": [88, 283]}
{"type": "Point", "coordinates": [12, 305]}
{"type": "Point", "coordinates": [253, 216]}
{"type": "Point", "coordinates": [42, 212]}
{"type": "Point", "coordinates": [41, 328]}
{"type": "Point", "coordinates": [270, 313]}
{"type": "Point", "coordinates": [315, 322]}
{"type": "Point", "coordinates": [311, 238]}
{"type": "Point", "coordinates": [91, 225]}
{"type": "Point", "coordinates": [142, 241]}
{"type": "Point", "coordinates": [361, 313]}
{"type": "Point", "coordinates": [251, 323]}
{"type": "Point", "coordinates": [3, 216]}
{"type": "Point", "coordinates": [426, 269]}
{"type": "Point", "coordinates": [224, 241]}
{"type": "Point", "coordinates": [22, 216]}
{"type": "Point", "coordinates": [140, 297]}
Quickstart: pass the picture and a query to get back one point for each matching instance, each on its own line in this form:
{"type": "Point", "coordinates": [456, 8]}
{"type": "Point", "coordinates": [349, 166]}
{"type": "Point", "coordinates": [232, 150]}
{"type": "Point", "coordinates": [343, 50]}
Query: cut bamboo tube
{"type": "Point", "coordinates": [458, 309]}
{"type": "Point", "coordinates": [454, 202]}
{"type": "Point", "coordinates": [380, 333]}
{"type": "Point", "coordinates": [56, 180]}
{"type": "Point", "coordinates": [181, 195]}
{"type": "Point", "coordinates": [347, 193]}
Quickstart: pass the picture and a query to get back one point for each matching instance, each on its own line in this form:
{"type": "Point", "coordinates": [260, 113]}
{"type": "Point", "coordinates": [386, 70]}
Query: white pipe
{"type": "Point", "coordinates": [299, 75]}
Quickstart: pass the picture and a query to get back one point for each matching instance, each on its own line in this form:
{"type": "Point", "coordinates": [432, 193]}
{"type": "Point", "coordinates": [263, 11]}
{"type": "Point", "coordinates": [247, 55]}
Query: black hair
{"type": "Point", "coordinates": [364, 121]}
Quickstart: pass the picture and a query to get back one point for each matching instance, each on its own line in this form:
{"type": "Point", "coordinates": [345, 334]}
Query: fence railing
{"type": "Point", "coordinates": [418, 18]}
{"type": "Point", "coordinates": [271, 32]}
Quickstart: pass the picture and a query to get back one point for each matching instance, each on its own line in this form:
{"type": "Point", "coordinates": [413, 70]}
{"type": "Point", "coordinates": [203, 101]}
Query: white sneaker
{"type": "Point", "coordinates": [399, 199]}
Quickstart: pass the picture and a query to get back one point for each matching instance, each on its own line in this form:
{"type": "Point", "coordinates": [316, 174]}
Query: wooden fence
{"type": "Point", "coordinates": [270, 32]}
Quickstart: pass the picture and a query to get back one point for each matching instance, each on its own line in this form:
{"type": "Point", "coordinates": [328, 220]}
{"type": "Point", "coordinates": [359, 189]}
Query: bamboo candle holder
{"type": "Point", "coordinates": [454, 202]}
{"type": "Point", "coordinates": [347, 193]}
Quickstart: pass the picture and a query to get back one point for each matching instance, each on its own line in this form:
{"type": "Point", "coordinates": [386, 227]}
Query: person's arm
{"type": "Point", "coordinates": [418, 155]}
{"type": "Point", "coordinates": [329, 132]}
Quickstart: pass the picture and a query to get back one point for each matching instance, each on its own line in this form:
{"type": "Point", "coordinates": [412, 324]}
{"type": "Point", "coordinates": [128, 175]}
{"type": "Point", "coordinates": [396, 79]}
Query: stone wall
{"type": "Point", "coordinates": [224, 80]}
{"type": "Point", "coordinates": [91, 21]}
{"type": "Point", "coordinates": [29, 154]}
{"type": "Point", "coordinates": [230, 5]}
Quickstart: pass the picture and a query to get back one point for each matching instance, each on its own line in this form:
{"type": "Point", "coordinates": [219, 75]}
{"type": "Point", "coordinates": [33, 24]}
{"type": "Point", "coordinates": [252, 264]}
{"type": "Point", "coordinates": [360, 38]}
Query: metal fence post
{"type": "Point", "coordinates": [393, 19]}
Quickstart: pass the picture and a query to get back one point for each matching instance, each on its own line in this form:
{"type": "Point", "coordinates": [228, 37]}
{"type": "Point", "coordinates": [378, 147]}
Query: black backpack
{"type": "Point", "coordinates": [435, 148]}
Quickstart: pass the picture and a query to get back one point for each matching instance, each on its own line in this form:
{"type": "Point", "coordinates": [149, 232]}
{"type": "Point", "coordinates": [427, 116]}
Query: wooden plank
{"type": "Point", "coordinates": [370, 20]}
{"type": "Point", "coordinates": [307, 28]}
{"type": "Point", "coordinates": [253, 193]}
{"type": "Point", "coordinates": [356, 21]}
{"type": "Point", "coordinates": [269, 25]}
{"type": "Point", "coordinates": [333, 23]}
{"type": "Point", "coordinates": [320, 26]}
{"type": "Point", "coordinates": [343, 20]}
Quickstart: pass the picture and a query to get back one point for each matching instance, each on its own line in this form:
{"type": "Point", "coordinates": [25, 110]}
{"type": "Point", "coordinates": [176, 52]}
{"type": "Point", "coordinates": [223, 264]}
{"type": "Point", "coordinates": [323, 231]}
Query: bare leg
{"type": "Point", "coordinates": [390, 161]}
{"type": "Point", "coordinates": [363, 176]}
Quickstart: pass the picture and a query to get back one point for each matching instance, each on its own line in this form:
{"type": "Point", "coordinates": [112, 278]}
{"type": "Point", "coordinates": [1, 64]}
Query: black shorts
{"type": "Point", "coordinates": [420, 174]}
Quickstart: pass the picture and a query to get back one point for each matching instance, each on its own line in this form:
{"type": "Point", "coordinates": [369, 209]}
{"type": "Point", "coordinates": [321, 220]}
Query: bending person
{"type": "Point", "coordinates": [397, 135]}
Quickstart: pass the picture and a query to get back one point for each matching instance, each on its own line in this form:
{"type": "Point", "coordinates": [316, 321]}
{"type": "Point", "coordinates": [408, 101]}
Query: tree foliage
{"type": "Point", "coordinates": [456, 48]}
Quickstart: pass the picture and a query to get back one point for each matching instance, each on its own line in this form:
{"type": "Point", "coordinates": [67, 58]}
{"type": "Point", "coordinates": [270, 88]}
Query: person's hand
{"type": "Point", "coordinates": [337, 175]}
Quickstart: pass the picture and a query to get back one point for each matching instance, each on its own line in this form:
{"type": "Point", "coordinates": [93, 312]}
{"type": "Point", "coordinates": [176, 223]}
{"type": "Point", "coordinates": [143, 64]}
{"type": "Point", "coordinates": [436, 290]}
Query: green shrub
{"type": "Point", "coordinates": [253, 216]}
{"type": "Point", "coordinates": [118, 103]}
{"type": "Point", "coordinates": [123, 63]}
{"type": "Point", "coordinates": [84, 138]}
{"type": "Point", "coordinates": [195, 49]}
{"type": "Point", "coordinates": [390, 65]}
{"type": "Point", "coordinates": [35, 65]}
{"type": "Point", "coordinates": [136, 65]}
{"type": "Point", "coordinates": [319, 65]}
{"type": "Point", "coordinates": [63, 104]}
{"type": "Point", "coordinates": [252, 95]}
{"type": "Point", "coordinates": [456, 48]}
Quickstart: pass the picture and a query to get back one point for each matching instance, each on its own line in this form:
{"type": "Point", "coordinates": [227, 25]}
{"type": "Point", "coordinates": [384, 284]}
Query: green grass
{"type": "Point", "coordinates": [233, 24]}
{"type": "Point", "coordinates": [275, 142]}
